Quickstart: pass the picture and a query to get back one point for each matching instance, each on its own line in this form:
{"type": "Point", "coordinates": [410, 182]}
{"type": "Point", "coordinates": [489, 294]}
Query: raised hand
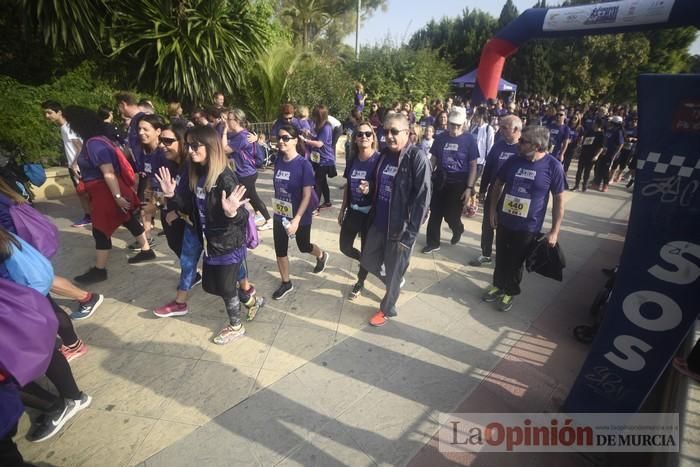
{"type": "Point", "coordinates": [232, 202]}
{"type": "Point", "coordinates": [166, 181]}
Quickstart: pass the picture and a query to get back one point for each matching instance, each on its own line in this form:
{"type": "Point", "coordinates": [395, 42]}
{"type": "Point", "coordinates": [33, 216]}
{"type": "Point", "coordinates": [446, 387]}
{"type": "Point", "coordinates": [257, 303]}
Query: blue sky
{"type": "Point", "coordinates": [404, 17]}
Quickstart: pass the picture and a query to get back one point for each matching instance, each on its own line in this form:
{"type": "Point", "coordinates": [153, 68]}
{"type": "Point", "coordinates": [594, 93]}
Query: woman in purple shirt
{"type": "Point", "coordinates": [322, 153]}
{"type": "Point", "coordinates": [293, 202]}
{"type": "Point", "coordinates": [242, 151]}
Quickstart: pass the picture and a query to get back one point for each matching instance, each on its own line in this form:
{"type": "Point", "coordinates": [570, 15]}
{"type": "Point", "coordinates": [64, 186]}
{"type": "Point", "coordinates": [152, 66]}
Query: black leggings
{"type": "Point", "coordinates": [585, 163]}
{"type": "Point", "coordinates": [303, 237]}
{"type": "Point", "coordinates": [174, 233]}
{"type": "Point", "coordinates": [321, 174]}
{"type": "Point", "coordinates": [66, 331]}
{"type": "Point", "coordinates": [61, 376]}
{"type": "Point", "coordinates": [252, 193]}
{"type": "Point", "coordinates": [354, 223]}
{"type": "Point", "coordinates": [103, 242]}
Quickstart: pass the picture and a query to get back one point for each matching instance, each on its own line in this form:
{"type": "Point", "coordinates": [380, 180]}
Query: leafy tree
{"type": "Point", "coordinates": [317, 80]}
{"type": "Point", "coordinates": [508, 13]}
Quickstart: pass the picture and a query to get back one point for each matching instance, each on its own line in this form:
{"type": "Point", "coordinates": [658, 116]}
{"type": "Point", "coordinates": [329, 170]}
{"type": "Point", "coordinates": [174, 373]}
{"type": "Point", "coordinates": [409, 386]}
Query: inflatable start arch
{"type": "Point", "coordinates": [599, 18]}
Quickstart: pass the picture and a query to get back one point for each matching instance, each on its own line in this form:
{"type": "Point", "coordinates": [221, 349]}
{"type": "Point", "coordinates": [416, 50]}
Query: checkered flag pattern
{"type": "Point", "coordinates": [671, 165]}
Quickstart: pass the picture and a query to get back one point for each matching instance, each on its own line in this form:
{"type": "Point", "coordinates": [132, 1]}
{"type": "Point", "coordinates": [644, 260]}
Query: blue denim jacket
{"type": "Point", "coordinates": [410, 197]}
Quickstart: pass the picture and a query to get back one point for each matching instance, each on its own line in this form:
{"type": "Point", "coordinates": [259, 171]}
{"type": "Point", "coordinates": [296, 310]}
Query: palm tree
{"type": "Point", "coordinates": [308, 18]}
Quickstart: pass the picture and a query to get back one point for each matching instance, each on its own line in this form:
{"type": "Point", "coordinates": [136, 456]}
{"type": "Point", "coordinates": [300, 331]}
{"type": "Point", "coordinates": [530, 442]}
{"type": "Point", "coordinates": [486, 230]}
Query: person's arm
{"type": "Point", "coordinates": [344, 203]}
{"type": "Point", "coordinates": [78, 146]}
{"type": "Point", "coordinates": [305, 200]}
{"type": "Point", "coordinates": [496, 192]}
{"type": "Point", "coordinates": [312, 143]}
{"type": "Point", "coordinates": [471, 179]}
{"type": "Point", "coordinates": [113, 185]}
{"type": "Point", "coordinates": [421, 201]}
{"type": "Point", "coordinates": [557, 216]}
{"type": "Point", "coordinates": [564, 146]}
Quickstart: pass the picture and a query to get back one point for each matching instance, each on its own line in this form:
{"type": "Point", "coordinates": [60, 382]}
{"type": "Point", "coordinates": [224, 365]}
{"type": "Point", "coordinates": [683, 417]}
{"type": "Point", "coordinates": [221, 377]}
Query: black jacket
{"type": "Point", "coordinates": [546, 260]}
{"type": "Point", "coordinates": [223, 234]}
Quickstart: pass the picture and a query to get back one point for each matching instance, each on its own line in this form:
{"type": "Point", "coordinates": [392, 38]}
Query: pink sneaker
{"type": "Point", "coordinates": [72, 354]}
{"type": "Point", "coordinates": [171, 309]}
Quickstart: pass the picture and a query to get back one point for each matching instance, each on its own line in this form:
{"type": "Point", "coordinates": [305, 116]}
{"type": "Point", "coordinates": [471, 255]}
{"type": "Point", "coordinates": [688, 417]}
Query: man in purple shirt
{"type": "Point", "coordinates": [518, 206]}
{"type": "Point", "coordinates": [510, 127]}
{"type": "Point", "coordinates": [559, 136]}
{"type": "Point", "coordinates": [401, 199]}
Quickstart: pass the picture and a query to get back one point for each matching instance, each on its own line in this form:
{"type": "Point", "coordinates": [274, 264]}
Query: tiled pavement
{"type": "Point", "coordinates": [311, 383]}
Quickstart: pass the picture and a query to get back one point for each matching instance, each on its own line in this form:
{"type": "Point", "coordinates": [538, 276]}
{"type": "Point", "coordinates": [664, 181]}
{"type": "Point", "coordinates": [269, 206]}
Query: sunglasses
{"type": "Point", "coordinates": [285, 138]}
{"type": "Point", "coordinates": [167, 141]}
{"type": "Point", "coordinates": [192, 146]}
{"type": "Point", "coordinates": [394, 131]}
{"type": "Point", "coordinates": [360, 134]}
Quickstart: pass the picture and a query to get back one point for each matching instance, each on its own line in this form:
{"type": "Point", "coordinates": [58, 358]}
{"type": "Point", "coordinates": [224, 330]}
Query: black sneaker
{"type": "Point", "coordinates": [51, 424]}
{"type": "Point", "coordinates": [136, 247]}
{"type": "Point", "coordinates": [356, 290]}
{"type": "Point", "coordinates": [283, 290]}
{"type": "Point", "coordinates": [92, 276]}
{"type": "Point", "coordinates": [429, 249]}
{"type": "Point", "coordinates": [142, 256]}
{"type": "Point", "coordinates": [88, 308]}
{"type": "Point", "coordinates": [321, 263]}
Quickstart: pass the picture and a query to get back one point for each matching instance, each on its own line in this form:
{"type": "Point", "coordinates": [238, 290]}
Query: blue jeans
{"type": "Point", "coordinates": [189, 257]}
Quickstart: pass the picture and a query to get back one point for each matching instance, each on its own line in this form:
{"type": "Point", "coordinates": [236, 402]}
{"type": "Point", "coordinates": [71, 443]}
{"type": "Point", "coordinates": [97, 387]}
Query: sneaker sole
{"type": "Point", "coordinates": [63, 421]}
{"type": "Point", "coordinates": [285, 293]}
{"type": "Point", "coordinates": [94, 309]}
{"type": "Point", "coordinates": [228, 340]}
{"type": "Point", "coordinates": [431, 251]}
{"type": "Point", "coordinates": [325, 264]}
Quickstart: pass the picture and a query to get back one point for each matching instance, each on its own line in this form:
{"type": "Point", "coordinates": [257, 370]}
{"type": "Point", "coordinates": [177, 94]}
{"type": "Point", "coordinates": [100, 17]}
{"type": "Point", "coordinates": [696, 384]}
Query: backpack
{"type": "Point", "coordinates": [35, 173]}
{"type": "Point", "coordinates": [26, 266]}
{"type": "Point", "coordinates": [252, 239]}
{"type": "Point", "coordinates": [33, 227]}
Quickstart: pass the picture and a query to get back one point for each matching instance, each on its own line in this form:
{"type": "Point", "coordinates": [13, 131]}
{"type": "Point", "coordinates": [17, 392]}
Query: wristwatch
{"type": "Point", "coordinates": [118, 196]}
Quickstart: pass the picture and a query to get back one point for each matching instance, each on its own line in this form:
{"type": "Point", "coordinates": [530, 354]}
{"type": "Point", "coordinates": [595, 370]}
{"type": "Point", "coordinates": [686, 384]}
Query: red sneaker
{"type": "Point", "coordinates": [72, 354]}
{"type": "Point", "coordinates": [171, 309]}
{"type": "Point", "coordinates": [378, 319]}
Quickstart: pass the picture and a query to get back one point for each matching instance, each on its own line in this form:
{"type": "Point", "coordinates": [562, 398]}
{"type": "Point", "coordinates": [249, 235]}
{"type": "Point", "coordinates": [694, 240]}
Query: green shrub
{"type": "Point", "coordinates": [23, 123]}
{"type": "Point", "coordinates": [319, 80]}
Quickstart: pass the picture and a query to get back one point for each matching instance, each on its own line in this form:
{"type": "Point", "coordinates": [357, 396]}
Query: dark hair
{"type": "Point", "coordinates": [125, 97]}
{"type": "Point", "coordinates": [291, 129]}
{"type": "Point", "coordinates": [212, 111]}
{"type": "Point", "coordinates": [6, 242]}
{"type": "Point", "coordinates": [286, 108]}
{"type": "Point", "coordinates": [52, 105]}
{"type": "Point", "coordinates": [156, 121]}
{"type": "Point", "coordinates": [84, 122]}
{"type": "Point", "coordinates": [179, 129]}
{"type": "Point", "coordinates": [218, 93]}
{"type": "Point", "coordinates": [103, 111]}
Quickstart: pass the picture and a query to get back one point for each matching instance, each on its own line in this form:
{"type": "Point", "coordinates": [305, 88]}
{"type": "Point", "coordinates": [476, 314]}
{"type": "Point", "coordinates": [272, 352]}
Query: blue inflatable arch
{"type": "Point", "coordinates": [599, 18]}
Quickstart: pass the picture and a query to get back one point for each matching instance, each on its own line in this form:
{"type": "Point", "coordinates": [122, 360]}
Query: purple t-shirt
{"type": "Point", "coordinates": [233, 257]}
{"type": "Point", "coordinates": [243, 154]}
{"type": "Point", "coordinates": [326, 153]}
{"type": "Point", "coordinates": [614, 137]}
{"type": "Point", "coordinates": [357, 171]}
{"type": "Point", "coordinates": [385, 185]}
{"type": "Point", "coordinates": [150, 163]}
{"type": "Point", "coordinates": [500, 152]}
{"type": "Point", "coordinates": [453, 154]}
{"type": "Point", "coordinates": [359, 103]}
{"type": "Point", "coordinates": [526, 193]}
{"type": "Point", "coordinates": [100, 153]}
{"type": "Point", "coordinates": [381, 138]}
{"type": "Point", "coordinates": [557, 135]}
{"type": "Point", "coordinates": [279, 123]}
{"type": "Point", "coordinates": [289, 180]}
{"type": "Point", "coordinates": [426, 121]}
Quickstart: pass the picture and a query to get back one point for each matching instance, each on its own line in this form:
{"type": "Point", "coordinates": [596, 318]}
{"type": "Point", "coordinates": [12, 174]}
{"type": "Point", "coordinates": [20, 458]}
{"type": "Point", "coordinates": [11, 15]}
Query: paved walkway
{"type": "Point", "coordinates": [311, 383]}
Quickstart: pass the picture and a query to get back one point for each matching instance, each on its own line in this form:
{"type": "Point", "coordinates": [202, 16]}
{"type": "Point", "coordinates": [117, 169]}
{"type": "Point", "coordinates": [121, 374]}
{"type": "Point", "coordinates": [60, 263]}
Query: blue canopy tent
{"type": "Point", "coordinates": [469, 81]}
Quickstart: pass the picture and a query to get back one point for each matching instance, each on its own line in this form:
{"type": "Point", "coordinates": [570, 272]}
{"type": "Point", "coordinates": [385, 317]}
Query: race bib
{"type": "Point", "coordinates": [587, 141]}
{"type": "Point", "coordinates": [282, 208]}
{"type": "Point", "coordinates": [147, 167]}
{"type": "Point", "coordinates": [201, 194]}
{"type": "Point", "coordinates": [516, 206]}
{"type": "Point", "coordinates": [627, 146]}
{"type": "Point", "coordinates": [316, 157]}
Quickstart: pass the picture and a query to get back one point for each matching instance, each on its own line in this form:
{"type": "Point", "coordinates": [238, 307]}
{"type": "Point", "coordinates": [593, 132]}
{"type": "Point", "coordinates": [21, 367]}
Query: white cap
{"type": "Point", "coordinates": [457, 116]}
{"type": "Point", "coordinates": [616, 119]}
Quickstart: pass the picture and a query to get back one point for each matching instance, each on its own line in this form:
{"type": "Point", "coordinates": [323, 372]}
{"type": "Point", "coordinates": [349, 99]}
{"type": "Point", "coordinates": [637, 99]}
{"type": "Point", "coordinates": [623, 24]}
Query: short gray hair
{"type": "Point", "coordinates": [239, 115]}
{"type": "Point", "coordinates": [512, 121]}
{"type": "Point", "coordinates": [400, 118]}
{"type": "Point", "coordinates": [537, 135]}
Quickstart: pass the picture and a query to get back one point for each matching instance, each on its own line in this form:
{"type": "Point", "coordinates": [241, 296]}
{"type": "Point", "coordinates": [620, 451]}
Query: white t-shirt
{"type": "Point", "coordinates": [68, 136]}
{"type": "Point", "coordinates": [335, 123]}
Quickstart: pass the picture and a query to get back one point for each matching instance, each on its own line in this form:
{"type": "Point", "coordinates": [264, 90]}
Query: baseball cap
{"type": "Point", "coordinates": [457, 116]}
{"type": "Point", "coordinates": [616, 119]}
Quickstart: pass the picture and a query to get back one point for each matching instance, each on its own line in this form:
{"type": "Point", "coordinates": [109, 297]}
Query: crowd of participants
{"type": "Point", "coordinates": [405, 165]}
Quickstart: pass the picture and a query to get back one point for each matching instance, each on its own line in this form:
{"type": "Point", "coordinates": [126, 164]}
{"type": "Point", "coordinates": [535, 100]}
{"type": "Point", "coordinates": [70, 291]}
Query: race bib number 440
{"type": "Point", "coordinates": [516, 206]}
{"type": "Point", "coordinates": [282, 208]}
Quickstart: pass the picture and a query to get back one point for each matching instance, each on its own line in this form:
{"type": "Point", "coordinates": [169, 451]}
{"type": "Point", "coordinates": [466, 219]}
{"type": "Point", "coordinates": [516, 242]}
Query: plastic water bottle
{"type": "Point", "coordinates": [285, 224]}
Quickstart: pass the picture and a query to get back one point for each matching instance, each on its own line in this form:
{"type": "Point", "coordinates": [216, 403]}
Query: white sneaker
{"type": "Point", "coordinates": [266, 226]}
{"type": "Point", "coordinates": [259, 219]}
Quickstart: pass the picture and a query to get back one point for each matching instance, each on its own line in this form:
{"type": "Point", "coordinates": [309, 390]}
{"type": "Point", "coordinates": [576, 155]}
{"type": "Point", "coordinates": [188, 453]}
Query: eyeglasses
{"type": "Point", "coordinates": [394, 131]}
{"type": "Point", "coordinates": [167, 141]}
{"type": "Point", "coordinates": [285, 138]}
{"type": "Point", "coordinates": [360, 134]}
{"type": "Point", "coordinates": [193, 146]}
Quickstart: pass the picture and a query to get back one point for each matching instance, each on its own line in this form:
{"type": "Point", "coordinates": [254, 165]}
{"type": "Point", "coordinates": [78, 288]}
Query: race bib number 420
{"type": "Point", "coordinates": [282, 208]}
{"type": "Point", "coordinates": [516, 206]}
